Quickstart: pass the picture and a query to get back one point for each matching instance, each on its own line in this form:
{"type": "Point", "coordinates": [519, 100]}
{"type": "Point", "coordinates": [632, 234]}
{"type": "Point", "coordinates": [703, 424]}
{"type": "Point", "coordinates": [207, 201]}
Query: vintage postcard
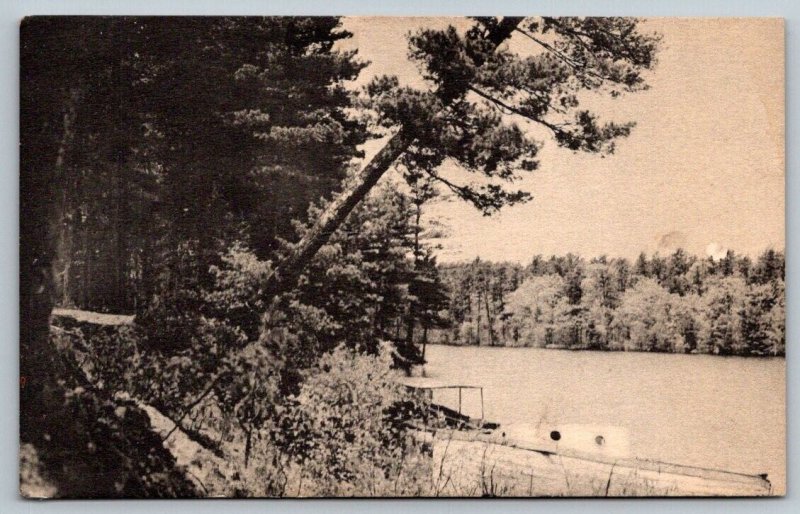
{"type": "Point", "coordinates": [402, 257]}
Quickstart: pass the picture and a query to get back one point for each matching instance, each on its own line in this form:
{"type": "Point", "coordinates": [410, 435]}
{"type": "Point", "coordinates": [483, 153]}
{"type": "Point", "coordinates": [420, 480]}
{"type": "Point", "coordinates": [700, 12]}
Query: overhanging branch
{"type": "Point", "coordinates": [515, 110]}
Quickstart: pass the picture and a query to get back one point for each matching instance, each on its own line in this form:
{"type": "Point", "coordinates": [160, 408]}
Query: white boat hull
{"type": "Point", "coordinates": [473, 464]}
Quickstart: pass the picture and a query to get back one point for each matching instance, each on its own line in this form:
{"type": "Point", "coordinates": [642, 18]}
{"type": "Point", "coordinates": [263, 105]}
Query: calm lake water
{"type": "Point", "coordinates": [720, 412]}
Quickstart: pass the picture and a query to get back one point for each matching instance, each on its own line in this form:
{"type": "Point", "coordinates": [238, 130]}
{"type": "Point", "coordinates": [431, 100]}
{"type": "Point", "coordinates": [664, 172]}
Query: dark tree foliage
{"type": "Point", "coordinates": [480, 96]}
{"type": "Point", "coordinates": [359, 288]}
{"type": "Point", "coordinates": [77, 428]}
{"type": "Point", "coordinates": [148, 144]}
{"type": "Point", "coordinates": [186, 131]}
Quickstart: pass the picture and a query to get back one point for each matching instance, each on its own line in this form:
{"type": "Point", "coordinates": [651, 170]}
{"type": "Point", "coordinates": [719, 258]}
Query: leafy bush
{"type": "Point", "coordinates": [342, 433]}
{"type": "Point", "coordinates": [236, 295]}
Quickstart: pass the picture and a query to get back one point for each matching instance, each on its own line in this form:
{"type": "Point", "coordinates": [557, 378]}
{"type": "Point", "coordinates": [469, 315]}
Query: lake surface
{"type": "Point", "coordinates": [703, 410]}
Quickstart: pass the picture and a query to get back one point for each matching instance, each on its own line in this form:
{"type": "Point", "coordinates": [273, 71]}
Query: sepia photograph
{"type": "Point", "coordinates": [343, 256]}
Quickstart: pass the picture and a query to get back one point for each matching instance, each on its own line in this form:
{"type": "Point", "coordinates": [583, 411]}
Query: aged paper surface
{"type": "Point", "coordinates": [402, 256]}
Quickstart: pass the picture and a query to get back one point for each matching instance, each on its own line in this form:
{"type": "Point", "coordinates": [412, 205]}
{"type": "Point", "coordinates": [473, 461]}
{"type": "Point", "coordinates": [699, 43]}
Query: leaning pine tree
{"type": "Point", "coordinates": [481, 91]}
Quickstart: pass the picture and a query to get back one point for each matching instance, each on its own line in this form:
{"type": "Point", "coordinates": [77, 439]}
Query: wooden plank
{"type": "Point", "coordinates": [95, 318]}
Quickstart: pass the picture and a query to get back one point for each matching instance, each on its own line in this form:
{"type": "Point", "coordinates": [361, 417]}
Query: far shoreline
{"type": "Point", "coordinates": [607, 350]}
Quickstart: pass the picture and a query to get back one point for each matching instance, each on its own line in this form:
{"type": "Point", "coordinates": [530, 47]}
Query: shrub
{"type": "Point", "coordinates": [343, 434]}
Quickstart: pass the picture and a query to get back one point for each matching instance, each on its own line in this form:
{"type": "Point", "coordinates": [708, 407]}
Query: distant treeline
{"type": "Point", "coordinates": [676, 303]}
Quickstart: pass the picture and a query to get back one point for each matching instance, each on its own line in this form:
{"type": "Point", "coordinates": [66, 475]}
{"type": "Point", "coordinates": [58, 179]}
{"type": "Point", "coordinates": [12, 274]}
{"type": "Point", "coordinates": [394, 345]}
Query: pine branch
{"type": "Point", "coordinates": [514, 110]}
{"type": "Point", "coordinates": [569, 61]}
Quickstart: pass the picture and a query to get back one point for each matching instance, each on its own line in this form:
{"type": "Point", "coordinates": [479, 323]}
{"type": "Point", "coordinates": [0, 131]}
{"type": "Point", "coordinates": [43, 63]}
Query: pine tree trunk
{"type": "Point", "coordinates": [410, 326]}
{"type": "Point", "coordinates": [478, 319]}
{"type": "Point", "coordinates": [412, 303]}
{"type": "Point", "coordinates": [424, 341]}
{"type": "Point", "coordinates": [119, 300]}
{"type": "Point", "coordinates": [287, 272]}
{"type": "Point", "coordinates": [63, 260]}
{"type": "Point", "coordinates": [83, 303]}
{"type": "Point", "coordinates": [37, 281]}
{"type": "Point", "coordinates": [488, 319]}
{"type": "Point", "coordinates": [64, 189]}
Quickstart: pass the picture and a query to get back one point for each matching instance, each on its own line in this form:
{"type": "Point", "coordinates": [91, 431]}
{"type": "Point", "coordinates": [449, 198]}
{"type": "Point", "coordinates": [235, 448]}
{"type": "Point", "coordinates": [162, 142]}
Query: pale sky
{"type": "Point", "coordinates": [703, 168]}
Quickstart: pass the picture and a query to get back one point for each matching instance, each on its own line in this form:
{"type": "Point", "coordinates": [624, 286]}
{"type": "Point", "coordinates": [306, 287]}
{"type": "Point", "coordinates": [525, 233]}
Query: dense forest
{"type": "Point", "coordinates": [205, 175]}
{"type": "Point", "coordinates": [675, 303]}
